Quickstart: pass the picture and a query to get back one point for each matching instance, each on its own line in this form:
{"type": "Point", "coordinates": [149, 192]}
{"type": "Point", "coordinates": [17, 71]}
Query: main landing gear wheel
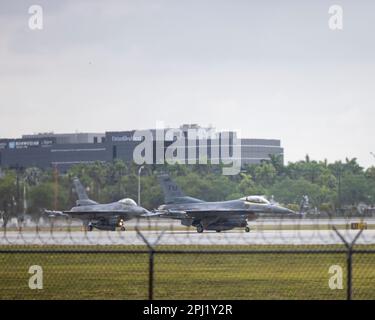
{"type": "Point", "coordinates": [199, 228]}
{"type": "Point", "coordinates": [247, 229]}
{"type": "Point", "coordinates": [122, 228]}
{"type": "Point", "coordinates": [90, 227]}
{"type": "Point", "coordinates": [218, 230]}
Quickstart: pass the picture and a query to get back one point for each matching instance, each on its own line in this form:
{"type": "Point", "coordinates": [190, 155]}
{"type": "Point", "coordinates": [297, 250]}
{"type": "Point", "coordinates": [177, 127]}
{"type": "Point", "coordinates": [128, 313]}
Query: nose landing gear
{"type": "Point", "coordinates": [122, 225]}
{"type": "Point", "coordinates": [247, 229]}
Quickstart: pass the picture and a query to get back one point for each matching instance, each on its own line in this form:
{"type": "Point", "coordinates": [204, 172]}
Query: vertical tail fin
{"type": "Point", "coordinates": [83, 198]}
{"type": "Point", "coordinates": [80, 190]}
{"type": "Point", "coordinates": [170, 189]}
{"type": "Point", "coordinates": [172, 192]}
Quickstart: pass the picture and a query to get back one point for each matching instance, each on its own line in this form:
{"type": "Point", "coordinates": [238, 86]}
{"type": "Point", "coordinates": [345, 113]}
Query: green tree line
{"type": "Point", "coordinates": [329, 185]}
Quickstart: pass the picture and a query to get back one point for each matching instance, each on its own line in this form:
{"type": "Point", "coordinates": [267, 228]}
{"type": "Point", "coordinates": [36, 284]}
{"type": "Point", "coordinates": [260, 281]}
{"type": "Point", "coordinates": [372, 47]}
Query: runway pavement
{"type": "Point", "coordinates": [168, 223]}
{"type": "Point", "coordinates": [264, 232]}
{"type": "Point", "coordinates": [236, 237]}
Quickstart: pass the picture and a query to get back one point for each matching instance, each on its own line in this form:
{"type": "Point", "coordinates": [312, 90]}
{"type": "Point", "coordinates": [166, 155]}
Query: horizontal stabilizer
{"type": "Point", "coordinates": [151, 214]}
{"type": "Point", "coordinates": [54, 214]}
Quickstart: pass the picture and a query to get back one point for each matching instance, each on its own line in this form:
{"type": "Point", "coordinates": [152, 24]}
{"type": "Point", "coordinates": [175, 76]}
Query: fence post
{"type": "Point", "coordinates": [152, 252]}
{"type": "Point", "coordinates": [349, 265]}
{"type": "Point", "coordinates": [349, 261]}
{"type": "Point", "coordinates": [151, 275]}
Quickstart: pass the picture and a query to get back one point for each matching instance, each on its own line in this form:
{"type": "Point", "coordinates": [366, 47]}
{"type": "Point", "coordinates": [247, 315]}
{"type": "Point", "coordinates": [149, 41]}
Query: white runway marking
{"type": "Point", "coordinates": [273, 237]}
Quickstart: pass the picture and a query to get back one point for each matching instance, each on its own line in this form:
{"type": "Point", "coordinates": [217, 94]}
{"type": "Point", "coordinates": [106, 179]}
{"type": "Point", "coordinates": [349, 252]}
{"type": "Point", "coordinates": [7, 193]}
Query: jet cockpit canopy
{"type": "Point", "coordinates": [256, 199]}
{"type": "Point", "coordinates": [128, 202]}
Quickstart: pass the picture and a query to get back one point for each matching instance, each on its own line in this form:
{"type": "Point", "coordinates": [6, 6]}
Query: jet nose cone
{"type": "Point", "coordinates": [145, 212]}
{"type": "Point", "coordinates": [283, 210]}
{"type": "Point", "coordinates": [290, 211]}
{"type": "Point", "coordinates": [142, 210]}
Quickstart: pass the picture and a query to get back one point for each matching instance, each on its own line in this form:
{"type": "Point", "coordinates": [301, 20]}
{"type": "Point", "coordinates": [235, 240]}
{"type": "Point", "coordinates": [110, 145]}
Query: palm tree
{"type": "Point", "coordinates": [277, 161]}
{"type": "Point", "coordinates": [352, 166]}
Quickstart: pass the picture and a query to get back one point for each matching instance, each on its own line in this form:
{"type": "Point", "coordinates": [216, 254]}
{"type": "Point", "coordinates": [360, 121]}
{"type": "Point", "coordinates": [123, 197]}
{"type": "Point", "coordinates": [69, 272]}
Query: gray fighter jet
{"type": "Point", "coordinates": [101, 216]}
{"type": "Point", "coordinates": [221, 215]}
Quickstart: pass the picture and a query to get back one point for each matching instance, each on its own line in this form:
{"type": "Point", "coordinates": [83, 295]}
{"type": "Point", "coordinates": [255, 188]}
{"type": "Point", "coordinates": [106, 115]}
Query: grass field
{"type": "Point", "coordinates": [183, 276]}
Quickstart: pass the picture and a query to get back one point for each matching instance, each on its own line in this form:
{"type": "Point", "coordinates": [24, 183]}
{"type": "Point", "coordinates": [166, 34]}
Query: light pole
{"type": "Point", "coordinates": [139, 184]}
{"type": "Point", "coordinates": [339, 171]}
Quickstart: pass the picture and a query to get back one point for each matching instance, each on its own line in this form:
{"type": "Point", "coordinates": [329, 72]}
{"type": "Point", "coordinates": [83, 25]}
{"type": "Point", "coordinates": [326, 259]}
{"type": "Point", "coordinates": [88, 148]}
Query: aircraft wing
{"type": "Point", "coordinates": [97, 214]}
{"type": "Point", "coordinates": [193, 213]}
{"type": "Point", "coordinates": [183, 214]}
{"type": "Point", "coordinates": [106, 214]}
{"type": "Point", "coordinates": [173, 214]}
{"type": "Point", "coordinates": [216, 213]}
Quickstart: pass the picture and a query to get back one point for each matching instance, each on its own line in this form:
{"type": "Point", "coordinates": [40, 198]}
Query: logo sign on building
{"type": "Point", "coordinates": [126, 138]}
{"type": "Point", "coordinates": [25, 144]}
{"type": "Point", "coordinates": [12, 145]}
{"type": "Point", "coordinates": [46, 142]}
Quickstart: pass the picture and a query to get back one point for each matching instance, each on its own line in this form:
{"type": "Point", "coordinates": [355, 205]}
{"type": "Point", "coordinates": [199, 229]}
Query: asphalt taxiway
{"type": "Point", "coordinates": [167, 237]}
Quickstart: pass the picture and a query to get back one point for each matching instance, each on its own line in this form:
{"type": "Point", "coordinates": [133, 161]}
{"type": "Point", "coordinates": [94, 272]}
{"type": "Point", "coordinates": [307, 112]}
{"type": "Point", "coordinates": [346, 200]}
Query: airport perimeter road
{"type": "Point", "coordinates": [237, 237]}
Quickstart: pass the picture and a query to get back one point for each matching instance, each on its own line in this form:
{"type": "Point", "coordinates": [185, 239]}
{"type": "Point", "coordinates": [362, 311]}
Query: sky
{"type": "Point", "coordinates": [268, 69]}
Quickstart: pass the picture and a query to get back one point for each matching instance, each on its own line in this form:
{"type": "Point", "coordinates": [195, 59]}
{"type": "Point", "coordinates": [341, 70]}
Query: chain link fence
{"type": "Point", "coordinates": [163, 261]}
